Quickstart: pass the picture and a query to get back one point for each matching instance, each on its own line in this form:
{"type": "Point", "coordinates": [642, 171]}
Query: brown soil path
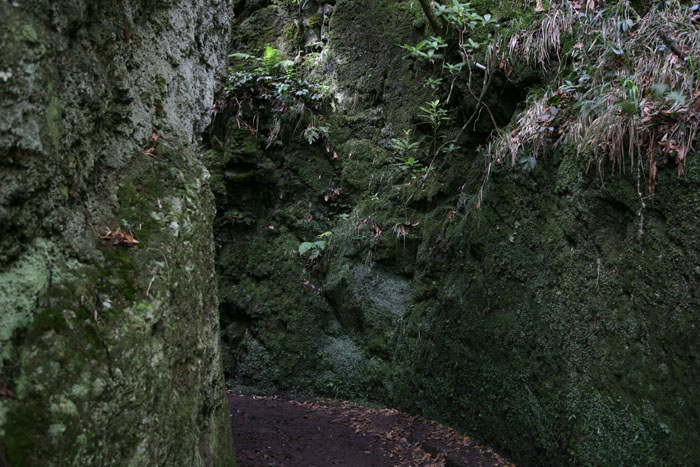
{"type": "Point", "coordinates": [275, 432]}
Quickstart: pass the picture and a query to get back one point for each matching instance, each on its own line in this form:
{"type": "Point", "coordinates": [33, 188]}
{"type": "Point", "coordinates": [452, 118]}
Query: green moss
{"type": "Point", "coordinates": [31, 275]}
{"type": "Point", "coordinates": [29, 33]}
{"type": "Point", "coordinates": [315, 21]}
{"type": "Point", "coordinates": [291, 32]}
{"type": "Point", "coordinates": [262, 28]}
{"type": "Point", "coordinates": [106, 326]}
{"type": "Point", "coordinates": [54, 120]}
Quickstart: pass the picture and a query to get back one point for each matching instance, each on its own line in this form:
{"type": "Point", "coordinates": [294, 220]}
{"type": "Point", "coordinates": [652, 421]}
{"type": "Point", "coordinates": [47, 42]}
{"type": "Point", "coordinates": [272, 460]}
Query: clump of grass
{"type": "Point", "coordinates": [626, 92]}
{"type": "Point", "coordinates": [536, 43]}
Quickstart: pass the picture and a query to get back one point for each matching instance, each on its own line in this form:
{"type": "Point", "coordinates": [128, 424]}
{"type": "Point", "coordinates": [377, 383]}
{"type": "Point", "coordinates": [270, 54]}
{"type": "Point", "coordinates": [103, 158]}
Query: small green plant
{"type": "Point", "coordinates": [404, 145]}
{"type": "Point", "coordinates": [453, 68]}
{"type": "Point", "coordinates": [271, 61]}
{"type": "Point", "coordinates": [410, 164]}
{"type": "Point", "coordinates": [460, 20]}
{"type": "Point", "coordinates": [273, 58]}
{"type": "Point", "coordinates": [449, 148]}
{"type": "Point", "coordinates": [269, 84]}
{"type": "Point", "coordinates": [434, 114]}
{"type": "Point", "coordinates": [312, 133]}
{"type": "Point", "coordinates": [406, 150]}
{"type": "Point", "coordinates": [461, 16]}
{"type": "Point", "coordinates": [631, 105]}
{"type": "Point", "coordinates": [427, 49]}
{"type": "Point", "coordinates": [512, 236]}
{"type": "Point", "coordinates": [237, 217]}
{"type": "Point", "coordinates": [433, 83]}
{"type": "Point", "coordinates": [527, 163]}
{"type": "Point", "coordinates": [313, 250]}
{"type": "Point", "coordinates": [471, 45]}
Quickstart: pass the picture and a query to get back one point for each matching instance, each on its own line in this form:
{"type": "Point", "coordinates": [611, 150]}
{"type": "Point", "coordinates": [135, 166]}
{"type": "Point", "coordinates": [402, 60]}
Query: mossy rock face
{"type": "Point", "coordinates": [109, 348]}
{"type": "Point", "coordinates": [369, 69]}
{"type": "Point", "coordinates": [272, 199]}
{"type": "Point", "coordinates": [111, 335]}
{"type": "Point", "coordinates": [544, 324]}
{"type": "Point", "coordinates": [556, 322]}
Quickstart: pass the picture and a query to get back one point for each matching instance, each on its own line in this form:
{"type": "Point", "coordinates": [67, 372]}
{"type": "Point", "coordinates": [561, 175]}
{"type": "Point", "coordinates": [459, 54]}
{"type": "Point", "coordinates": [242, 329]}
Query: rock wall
{"type": "Point", "coordinates": [556, 322]}
{"type": "Point", "coordinates": [109, 348]}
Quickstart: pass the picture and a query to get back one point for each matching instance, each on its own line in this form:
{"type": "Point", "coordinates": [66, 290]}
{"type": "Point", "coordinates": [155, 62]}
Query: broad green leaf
{"type": "Point", "coordinates": [306, 246]}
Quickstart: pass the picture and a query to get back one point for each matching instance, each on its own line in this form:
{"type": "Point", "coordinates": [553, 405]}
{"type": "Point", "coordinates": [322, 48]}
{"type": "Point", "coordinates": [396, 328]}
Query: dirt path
{"type": "Point", "coordinates": [274, 432]}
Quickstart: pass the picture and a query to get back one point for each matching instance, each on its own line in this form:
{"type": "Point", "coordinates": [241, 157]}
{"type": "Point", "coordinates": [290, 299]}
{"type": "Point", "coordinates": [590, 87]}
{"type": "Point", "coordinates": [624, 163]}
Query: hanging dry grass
{"type": "Point", "coordinates": [537, 43]}
{"type": "Point", "coordinates": [630, 92]}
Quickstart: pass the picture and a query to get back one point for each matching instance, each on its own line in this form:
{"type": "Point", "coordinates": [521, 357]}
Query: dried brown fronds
{"type": "Point", "coordinates": [117, 237]}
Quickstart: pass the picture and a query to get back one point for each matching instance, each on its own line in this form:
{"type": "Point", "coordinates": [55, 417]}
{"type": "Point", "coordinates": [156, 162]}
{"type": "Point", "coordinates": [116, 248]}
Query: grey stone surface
{"type": "Point", "coordinates": [109, 352]}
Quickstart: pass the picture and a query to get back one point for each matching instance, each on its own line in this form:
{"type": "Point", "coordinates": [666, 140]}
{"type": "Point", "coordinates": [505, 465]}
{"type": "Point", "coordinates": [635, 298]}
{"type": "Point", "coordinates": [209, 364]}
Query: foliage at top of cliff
{"type": "Point", "coordinates": [622, 89]}
{"type": "Point", "coordinates": [619, 86]}
{"type": "Point", "coordinates": [270, 84]}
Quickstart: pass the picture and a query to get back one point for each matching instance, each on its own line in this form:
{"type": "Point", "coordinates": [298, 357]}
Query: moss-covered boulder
{"type": "Point", "coordinates": [109, 332]}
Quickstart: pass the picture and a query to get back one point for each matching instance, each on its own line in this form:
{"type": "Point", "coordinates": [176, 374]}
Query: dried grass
{"type": "Point", "coordinates": [536, 44]}
{"type": "Point", "coordinates": [613, 107]}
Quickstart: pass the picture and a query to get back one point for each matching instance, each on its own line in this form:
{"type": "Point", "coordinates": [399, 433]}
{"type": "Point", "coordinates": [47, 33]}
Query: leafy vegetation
{"type": "Point", "coordinates": [427, 49]}
{"type": "Point", "coordinates": [625, 89]}
{"type": "Point", "coordinates": [547, 281]}
{"type": "Point", "coordinates": [621, 87]}
{"type": "Point", "coordinates": [450, 58]}
{"type": "Point", "coordinates": [313, 250]}
{"type": "Point", "coordinates": [269, 86]}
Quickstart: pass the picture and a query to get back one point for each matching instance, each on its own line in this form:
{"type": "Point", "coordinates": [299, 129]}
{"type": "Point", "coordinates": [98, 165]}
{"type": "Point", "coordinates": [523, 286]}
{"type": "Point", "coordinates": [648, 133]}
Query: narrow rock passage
{"type": "Point", "coordinates": [270, 432]}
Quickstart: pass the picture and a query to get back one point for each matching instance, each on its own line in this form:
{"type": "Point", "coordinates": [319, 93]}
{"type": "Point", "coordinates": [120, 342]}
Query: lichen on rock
{"type": "Point", "coordinates": [110, 350]}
